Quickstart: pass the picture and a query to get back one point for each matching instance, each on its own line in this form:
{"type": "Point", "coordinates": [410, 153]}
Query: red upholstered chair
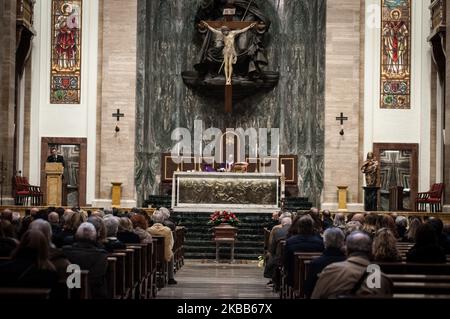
{"type": "Point", "coordinates": [37, 197]}
{"type": "Point", "coordinates": [433, 198]}
{"type": "Point", "coordinates": [24, 193]}
{"type": "Point", "coordinates": [21, 191]}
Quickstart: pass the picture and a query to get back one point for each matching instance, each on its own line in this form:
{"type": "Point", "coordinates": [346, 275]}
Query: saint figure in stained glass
{"type": "Point", "coordinates": [396, 43]}
{"type": "Point", "coordinates": [67, 29]}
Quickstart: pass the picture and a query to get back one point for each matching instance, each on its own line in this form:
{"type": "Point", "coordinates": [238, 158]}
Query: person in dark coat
{"type": "Point", "coordinates": [30, 266]}
{"type": "Point", "coordinates": [305, 241]}
{"type": "Point", "coordinates": [7, 242]}
{"type": "Point", "coordinates": [327, 221]}
{"type": "Point", "coordinates": [278, 235]}
{"type": "Point", "coordinates": [334, 239]}
{"type": "Point", "coordinates": [438, 226]}
{"type": "Point", "coordinates": [426, 248]}
{"type": "Point", "coordinates": [86, 254]}
{"type": "Point", "coordinates": [55, 158]}
{"type": "Point", "coordinates": [125, 233]}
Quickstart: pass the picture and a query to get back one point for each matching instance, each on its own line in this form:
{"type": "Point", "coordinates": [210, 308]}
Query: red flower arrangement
{"type": "Point", "coordinates": [223, 217]}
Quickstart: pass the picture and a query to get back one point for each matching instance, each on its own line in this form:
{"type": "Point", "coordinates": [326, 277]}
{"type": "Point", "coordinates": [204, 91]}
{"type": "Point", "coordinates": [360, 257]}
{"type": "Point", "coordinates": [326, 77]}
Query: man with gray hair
{"type": "Point", "coordinates": [112, 227]}
{"type": "Point", "coordinates": [272, 258]}
{"type": "Point", "coordinates": [333, 240]}
{"type": "Point", "coordinates": [351, 277]}
{"type": "Point", "coordinates": [53, 219]}
{"type": "Point", "coordinates": [167, 221]}
{"type": "Point", "coordinates": [86, 254]}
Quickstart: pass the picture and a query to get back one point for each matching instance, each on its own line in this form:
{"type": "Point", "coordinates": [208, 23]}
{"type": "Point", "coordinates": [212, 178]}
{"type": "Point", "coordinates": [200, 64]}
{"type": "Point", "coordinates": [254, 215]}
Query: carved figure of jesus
{"type": "Point", "coordinates": [229, 49]}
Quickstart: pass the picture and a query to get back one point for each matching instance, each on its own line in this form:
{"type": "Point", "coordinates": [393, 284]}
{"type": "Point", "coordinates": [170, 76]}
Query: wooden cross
{"type": "Point", "coordinates": [118, 115]}
{"type": "Point", "coordinates": [229, 13]}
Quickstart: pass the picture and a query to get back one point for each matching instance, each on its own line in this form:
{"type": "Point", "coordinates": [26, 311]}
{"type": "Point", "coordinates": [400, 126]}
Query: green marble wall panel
{"type": "Point", "coordinates": [295, 47]}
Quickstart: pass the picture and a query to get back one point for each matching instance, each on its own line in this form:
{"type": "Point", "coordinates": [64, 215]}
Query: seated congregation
{"type": "Point", "coordinates": [117, 255]}
{"type": "Point", "coordinates": [313, 255]}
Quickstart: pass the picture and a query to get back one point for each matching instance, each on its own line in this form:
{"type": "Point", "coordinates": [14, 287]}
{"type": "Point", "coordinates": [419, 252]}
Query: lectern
{"type": "Point", "coordinates": [54, 172]}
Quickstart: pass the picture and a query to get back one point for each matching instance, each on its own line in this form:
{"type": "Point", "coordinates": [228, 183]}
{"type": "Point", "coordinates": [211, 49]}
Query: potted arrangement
{"type": "Point", "coordinates": [224, 223]}
{"type": "Point", "coordinates": [223, 219]}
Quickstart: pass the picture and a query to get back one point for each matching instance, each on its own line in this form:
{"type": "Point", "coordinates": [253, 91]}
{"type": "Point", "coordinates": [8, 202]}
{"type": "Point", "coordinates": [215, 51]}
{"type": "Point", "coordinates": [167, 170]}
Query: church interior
{"type": "Point", "coordinates": [300, 146]}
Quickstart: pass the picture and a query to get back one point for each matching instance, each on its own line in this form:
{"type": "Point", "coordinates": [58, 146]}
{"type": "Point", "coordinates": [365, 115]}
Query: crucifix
{"type": "Point", "coordinates": [118, 115]}
{"type": "Point", "coordinates": [228, 30]}
{"type": "Point", "coordinates": [342, 118]}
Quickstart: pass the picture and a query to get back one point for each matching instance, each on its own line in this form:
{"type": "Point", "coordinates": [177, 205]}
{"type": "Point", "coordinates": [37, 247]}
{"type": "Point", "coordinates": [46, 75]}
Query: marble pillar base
{"type": "Point", "coordinates": [371, 198]}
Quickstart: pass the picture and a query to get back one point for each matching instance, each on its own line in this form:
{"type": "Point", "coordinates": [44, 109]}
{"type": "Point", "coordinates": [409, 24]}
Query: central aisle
{"type": "Point", "coordinates": [197, 280]}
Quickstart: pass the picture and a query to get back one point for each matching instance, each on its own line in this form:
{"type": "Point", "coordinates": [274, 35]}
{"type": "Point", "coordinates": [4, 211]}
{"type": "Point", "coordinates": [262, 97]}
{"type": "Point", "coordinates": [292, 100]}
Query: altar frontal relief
{"type": "Point", "coordinates": [227, 191]}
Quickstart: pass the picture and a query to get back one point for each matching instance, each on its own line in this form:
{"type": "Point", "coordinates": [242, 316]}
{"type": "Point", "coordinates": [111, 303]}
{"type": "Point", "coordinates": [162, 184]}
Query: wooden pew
{"type": "Point", "coordinates": [415, 279]}
{"type": "Point", "coordinates": [266, 240]}
{"type": "Point", "coordinates": [140, 269]}
{"type": "Point", "coordinates": [153, 269]}
{"type": "Point", "coordinates": [418, 278]}
{"type": "Point", "coordinates": [415, 268]}
{"type": "Point", "coordinates": [300, 259]}
{"type": "Point", "coordinates": [120, 274]}
{"type": "Point", "coordinates": [111, 277]}
{"type": "Point", "coordinates": [129, 272]}
{"type": "Point", "coordinates": [176, 248]}
{"type": "Point", "coordinates": [179, 247]}
{"type": "Point", "coordinates": [425, 288]}
{"type": "Point", "coordinates": [138, 272]}
{"type": "Point", "coordinates": [24, 294]}
{"type": "Point", "coordinates": [280, 275]}
{"type": "Point", "coordinates": [183, 239]}
{"type": "Point", "coordinates": [161, 264]}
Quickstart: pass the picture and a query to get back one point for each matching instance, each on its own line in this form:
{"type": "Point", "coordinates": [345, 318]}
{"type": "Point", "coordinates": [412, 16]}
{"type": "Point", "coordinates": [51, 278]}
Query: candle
{"type": "Point", "coordinates": [283, 169]}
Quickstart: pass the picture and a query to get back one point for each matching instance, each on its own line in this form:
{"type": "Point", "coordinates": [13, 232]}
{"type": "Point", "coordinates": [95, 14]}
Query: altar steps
{"type": "Point", "coordinates": [199, 244]}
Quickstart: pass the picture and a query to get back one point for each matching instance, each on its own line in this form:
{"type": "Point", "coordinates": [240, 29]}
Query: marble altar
{"type": "Point", "coordinates": [236, 192]}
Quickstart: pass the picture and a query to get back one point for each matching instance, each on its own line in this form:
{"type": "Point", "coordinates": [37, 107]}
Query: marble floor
{"type": "Point", "coordinates": [208, 280]}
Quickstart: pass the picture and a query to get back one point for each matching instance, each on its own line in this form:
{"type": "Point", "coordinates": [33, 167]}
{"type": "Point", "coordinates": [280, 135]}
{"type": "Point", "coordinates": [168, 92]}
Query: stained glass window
{"type": "Point", "coordinates": [395, 54]}
{"type": "Point", "coordinates": [65, 78]}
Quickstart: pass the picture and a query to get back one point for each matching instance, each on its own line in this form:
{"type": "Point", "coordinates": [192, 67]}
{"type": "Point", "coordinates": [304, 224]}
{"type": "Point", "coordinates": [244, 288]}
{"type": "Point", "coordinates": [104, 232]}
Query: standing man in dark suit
{"type": "Point", "coordinates": [55, 158]}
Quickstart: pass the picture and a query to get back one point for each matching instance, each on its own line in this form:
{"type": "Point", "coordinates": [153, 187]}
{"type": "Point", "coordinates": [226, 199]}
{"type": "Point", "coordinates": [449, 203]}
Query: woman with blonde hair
{"type": "Point", "coordinates": [384, 246]}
